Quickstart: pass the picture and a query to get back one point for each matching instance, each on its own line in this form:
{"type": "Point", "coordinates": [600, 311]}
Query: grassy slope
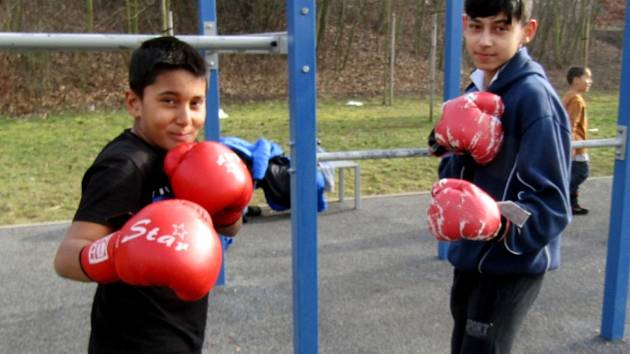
{"type": "Point", "coordinates": [43, 160]}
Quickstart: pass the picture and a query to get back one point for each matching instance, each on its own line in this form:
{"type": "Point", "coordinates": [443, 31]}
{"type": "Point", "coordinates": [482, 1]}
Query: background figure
{"type": "Point", "coordinates": [579, 79]}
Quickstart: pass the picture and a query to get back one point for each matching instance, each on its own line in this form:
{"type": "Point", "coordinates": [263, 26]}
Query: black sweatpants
{"type": "Point", "coordinates": [489, 309]}
{"type": "Point", "coordinates": [579, 174]}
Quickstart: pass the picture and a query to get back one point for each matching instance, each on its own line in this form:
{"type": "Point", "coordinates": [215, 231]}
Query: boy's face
{"type": "Point", "coordinates": [172, 110]}
{"type": "Point", "coordinates": [584, 82]}
{"type": "Point", "coordinates": [492, 41]}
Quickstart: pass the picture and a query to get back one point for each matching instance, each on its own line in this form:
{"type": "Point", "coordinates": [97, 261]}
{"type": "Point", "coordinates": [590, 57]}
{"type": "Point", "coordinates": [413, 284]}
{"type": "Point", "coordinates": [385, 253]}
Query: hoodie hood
{"type": "Point", "coordinates": [516, 69]}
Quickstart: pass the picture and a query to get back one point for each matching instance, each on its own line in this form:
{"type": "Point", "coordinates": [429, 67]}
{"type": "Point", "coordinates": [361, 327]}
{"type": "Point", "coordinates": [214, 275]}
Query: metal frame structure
{"type": "Point", "coordinates": [452, 64]}
{"type": "Point", "coordinates": [618, 256]}
{"type": "Point", "coordinates": [299, 43]}
{"type": "Point", "coordinates": [251, 44]}
{"type": "Point", "coordinates": [618, 142]}
{"type": "Point", "coordinates": [303, 143]}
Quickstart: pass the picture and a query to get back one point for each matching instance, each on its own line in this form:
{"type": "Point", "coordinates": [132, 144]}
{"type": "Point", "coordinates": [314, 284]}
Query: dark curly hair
{"type": "Point", "coordinates": [519, 10]}
{"type": "Point", "coordinates": [161, 54]}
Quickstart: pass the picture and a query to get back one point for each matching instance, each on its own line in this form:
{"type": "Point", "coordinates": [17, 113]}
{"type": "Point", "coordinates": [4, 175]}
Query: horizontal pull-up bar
{"type": "Point", "coordinates": [400, 153]}
{"type": "Point", "coordinates": [252, 44]}
{"type": "Point", "coordinates": [372, 154]}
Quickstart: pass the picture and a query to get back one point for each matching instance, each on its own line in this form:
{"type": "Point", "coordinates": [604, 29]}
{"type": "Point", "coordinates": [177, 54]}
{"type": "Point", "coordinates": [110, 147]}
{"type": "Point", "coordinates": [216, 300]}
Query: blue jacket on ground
{"type": "Point", "coordinates": [531, 169]}
{"type": "Point", "coordinates": [257, 155]}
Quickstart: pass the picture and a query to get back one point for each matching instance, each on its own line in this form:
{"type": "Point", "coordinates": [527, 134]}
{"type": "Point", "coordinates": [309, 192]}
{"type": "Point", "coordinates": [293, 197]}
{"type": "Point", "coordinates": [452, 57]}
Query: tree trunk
{"type": "Point", "coordinates": [164, 4]}
{"type": "Point", "coordinates": [322, 15]}
{"type": "Point", "coordinates": [89, 16]}
{"type": "Point", "coordinates": [386, 50]}
{"type": "Point", "coordinates": [587, 31]}
{"type": "Point", "coordinates": [341, 31]}
{"type": "Point", "coordinates": [15, 16]}
{"type": "Point", "coordinates": [131, 7]}
{"type": "Point", "coordinates": [419, 22]}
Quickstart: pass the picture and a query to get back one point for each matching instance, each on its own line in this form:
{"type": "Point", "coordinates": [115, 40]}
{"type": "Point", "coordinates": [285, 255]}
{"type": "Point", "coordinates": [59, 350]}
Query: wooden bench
{"type": "Point", "coordinates": [341, 166]}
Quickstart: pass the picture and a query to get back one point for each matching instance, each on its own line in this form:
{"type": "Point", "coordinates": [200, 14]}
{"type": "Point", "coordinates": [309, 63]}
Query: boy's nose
{"type": "Point", "coordinates": [184, 116]}
{"type": "Point", "coordinates": [485, 39]}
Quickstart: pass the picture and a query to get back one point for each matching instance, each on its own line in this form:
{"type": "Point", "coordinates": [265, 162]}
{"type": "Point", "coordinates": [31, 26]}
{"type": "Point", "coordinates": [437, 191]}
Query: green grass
{"type": "Point", "coordinates": [43, 160]}
{"type": "Point", "coordinates": [602, 115]}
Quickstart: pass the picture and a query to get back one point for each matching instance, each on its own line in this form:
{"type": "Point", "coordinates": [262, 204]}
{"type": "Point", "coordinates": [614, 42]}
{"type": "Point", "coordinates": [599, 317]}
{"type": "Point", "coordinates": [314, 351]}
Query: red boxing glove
{"type": "Point", "coordinates": [459, 209]}
{"type": "Point", "coordinates": [471, 123]}
{"type": "Point", "coordinates": [170, 243]}
{"type": "Point", "coordinates": [212, 175]}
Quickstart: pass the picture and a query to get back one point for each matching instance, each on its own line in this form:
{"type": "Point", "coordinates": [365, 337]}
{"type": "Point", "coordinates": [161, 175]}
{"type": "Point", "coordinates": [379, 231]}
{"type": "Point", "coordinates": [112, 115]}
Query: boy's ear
{"type": "Point", "coordinates": [133, 103]}
{"type": "Point", "coordinates": [529, 31]}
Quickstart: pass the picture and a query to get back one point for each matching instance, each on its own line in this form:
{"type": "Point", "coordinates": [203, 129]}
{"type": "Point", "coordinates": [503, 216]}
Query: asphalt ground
{"type": "Point", "coordinates": [381, 287]}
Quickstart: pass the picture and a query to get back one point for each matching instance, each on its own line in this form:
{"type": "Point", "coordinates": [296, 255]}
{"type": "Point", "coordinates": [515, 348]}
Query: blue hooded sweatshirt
{"type": "Point", "coordinates": [531, 169]}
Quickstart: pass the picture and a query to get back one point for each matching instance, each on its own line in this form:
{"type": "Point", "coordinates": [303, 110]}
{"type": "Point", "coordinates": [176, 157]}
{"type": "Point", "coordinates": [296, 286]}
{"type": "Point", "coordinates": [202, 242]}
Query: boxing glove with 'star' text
{"type": "Point", "coordinates": [170, 243]}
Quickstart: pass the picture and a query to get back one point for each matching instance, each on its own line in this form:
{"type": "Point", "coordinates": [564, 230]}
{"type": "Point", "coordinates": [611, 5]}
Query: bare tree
{"type": "Point", "coordinates": [253, 15]}
{"type": "Point", "coordinates": [132, 16]}
{"type": "Point", "coordinates": [12, 15]}
{"type": "Point", "coordinates": [322, 15]}
{"type": "Point", "coordinates": [387, 57]}
{"type": "Point", "coordinates": [89, 16]}
{"type": "Point", "coordinates": [564, 25]}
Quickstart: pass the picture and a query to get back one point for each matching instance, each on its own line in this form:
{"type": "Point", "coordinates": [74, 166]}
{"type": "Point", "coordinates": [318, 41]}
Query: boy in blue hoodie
{"type": "Point", "coordinates": [497, 280]}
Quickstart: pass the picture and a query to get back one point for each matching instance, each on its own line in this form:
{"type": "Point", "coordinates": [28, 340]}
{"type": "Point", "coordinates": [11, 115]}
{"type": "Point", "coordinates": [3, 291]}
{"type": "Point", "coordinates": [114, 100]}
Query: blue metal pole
{"type": "Point", "coordinates": [452, 66]}
{"type": "Point", "coordinates": [207, 18]}
{"type": "Point", "coordinates": [225, 244]}
{"type": "Point", "coordinates": [303, 128]}
{"type": "Point", "coordinates": [618, 257]}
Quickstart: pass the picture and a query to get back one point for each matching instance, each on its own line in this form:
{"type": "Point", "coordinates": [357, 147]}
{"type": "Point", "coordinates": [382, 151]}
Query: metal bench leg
{"type": "Point", "coordinates": [357, 187]}
{"type": "Point", "coordinates": [341, 185]}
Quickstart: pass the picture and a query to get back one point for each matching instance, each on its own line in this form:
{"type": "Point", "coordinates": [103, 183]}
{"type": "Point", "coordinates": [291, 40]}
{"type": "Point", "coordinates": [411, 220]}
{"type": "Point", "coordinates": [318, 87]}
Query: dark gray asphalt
{"type": "Point", "coordinates": [382, 289]}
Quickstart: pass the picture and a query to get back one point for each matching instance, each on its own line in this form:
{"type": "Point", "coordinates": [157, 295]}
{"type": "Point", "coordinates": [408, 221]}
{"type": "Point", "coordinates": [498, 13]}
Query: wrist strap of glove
{"type": "Point", "coordinates": [435, 149]}
{"type": "Point", "coordinates": [96, 260]}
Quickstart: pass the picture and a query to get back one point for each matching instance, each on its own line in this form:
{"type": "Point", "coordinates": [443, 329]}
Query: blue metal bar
{"type": "Point", "coordinates": [618, 257]}
{"type": "Point", "coordinates": [452, 66]}
{"type": "Point", "coordinates": [207, 19]}
{"type": "Point", "coordinates": [303, 128]}
{"type": "Point", "coordinates": [225, 244]}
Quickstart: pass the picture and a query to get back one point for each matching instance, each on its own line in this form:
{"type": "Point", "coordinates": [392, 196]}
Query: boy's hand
{"type": "Point", "coordinates": [170, 243]}
{"type": "Point", "coordinates": [213, 176]}
{"type": "Point", "coordinates": [435, 149]}
{"type": "Point", "coordinates": [471, 123]}
{"type": "Point", "coordinates": [461, 210]}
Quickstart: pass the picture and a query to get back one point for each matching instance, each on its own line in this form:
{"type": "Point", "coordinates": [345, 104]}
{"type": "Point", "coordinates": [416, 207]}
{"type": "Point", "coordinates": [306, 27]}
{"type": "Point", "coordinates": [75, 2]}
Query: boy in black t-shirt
{"type": "Point", "coordinates": [166, 99]}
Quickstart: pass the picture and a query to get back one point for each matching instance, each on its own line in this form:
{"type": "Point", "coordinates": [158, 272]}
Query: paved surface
{"type": "Point", "coordinates": [382, 289]}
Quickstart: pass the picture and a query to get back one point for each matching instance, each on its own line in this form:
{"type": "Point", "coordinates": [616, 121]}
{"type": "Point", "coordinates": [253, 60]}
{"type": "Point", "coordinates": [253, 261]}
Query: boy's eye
{"type": "Point", "coordinates": [501, 29]}
{"type": "Point", "coordinates": [196, 104]}
{"type": "Point", "coordinates": [167, 100]}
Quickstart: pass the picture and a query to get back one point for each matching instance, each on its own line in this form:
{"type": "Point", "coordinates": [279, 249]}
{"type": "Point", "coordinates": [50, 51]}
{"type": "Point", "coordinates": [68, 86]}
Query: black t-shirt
{"type": "Point", "coordinates": [126, 176]}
